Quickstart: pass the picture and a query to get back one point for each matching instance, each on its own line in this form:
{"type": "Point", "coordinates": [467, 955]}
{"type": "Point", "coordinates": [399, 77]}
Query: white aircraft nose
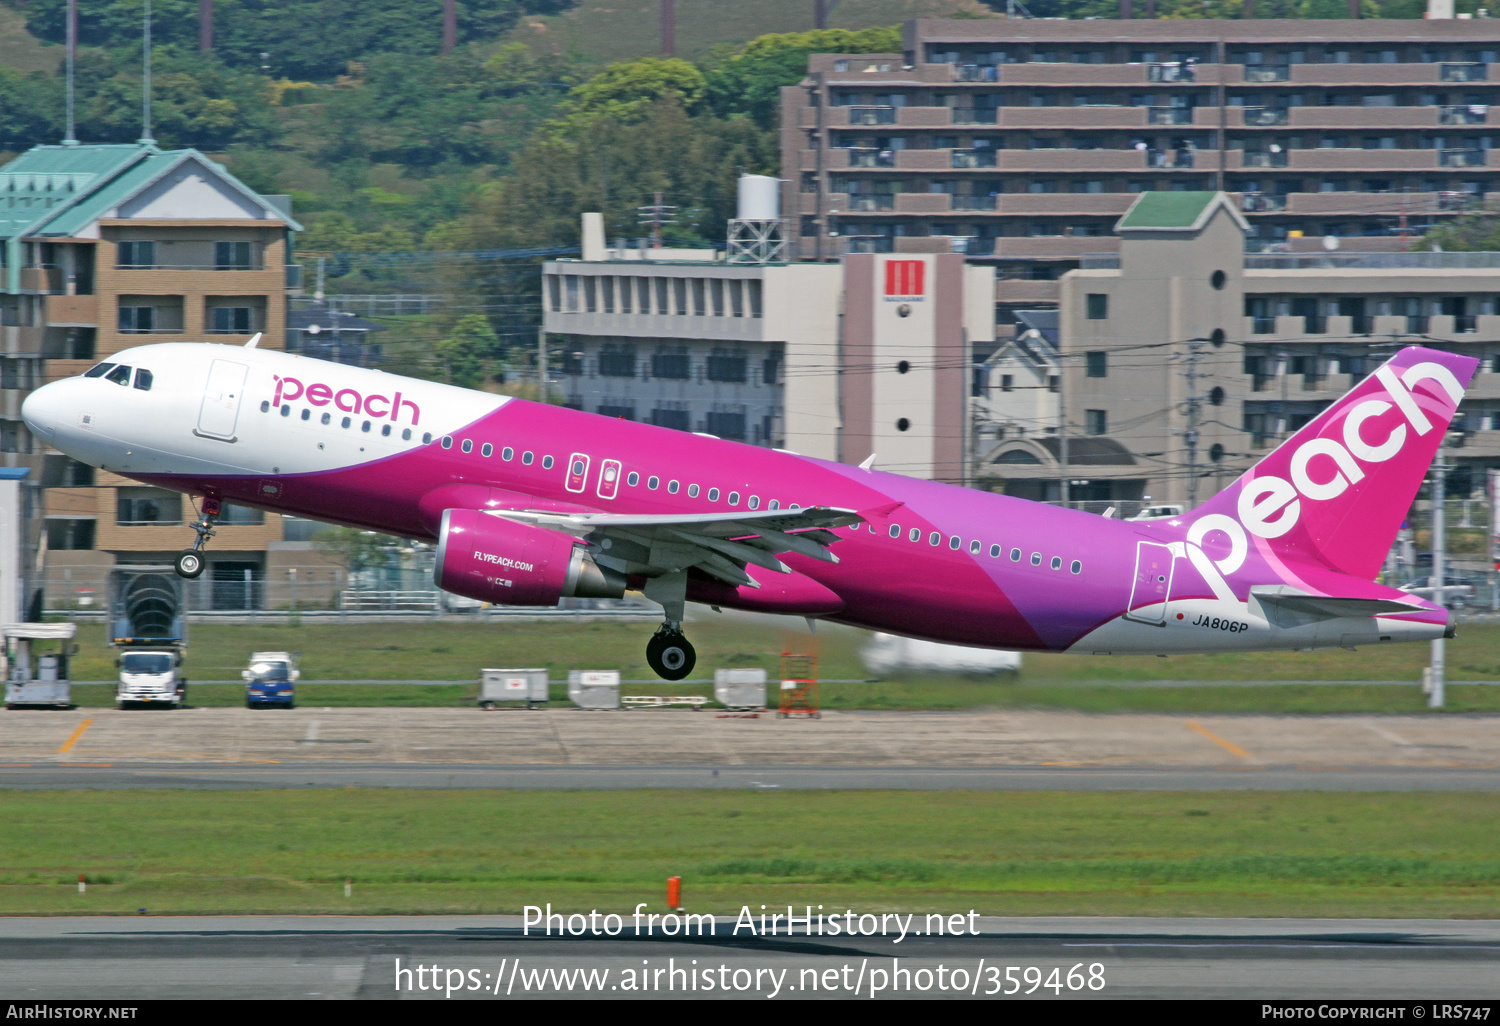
{"type": "Point", "coordinates": [46, 408]}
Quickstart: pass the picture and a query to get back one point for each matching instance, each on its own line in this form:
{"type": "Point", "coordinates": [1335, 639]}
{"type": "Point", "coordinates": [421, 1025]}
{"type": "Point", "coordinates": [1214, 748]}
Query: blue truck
{"type": "Point", "coordinates": [271, 681]}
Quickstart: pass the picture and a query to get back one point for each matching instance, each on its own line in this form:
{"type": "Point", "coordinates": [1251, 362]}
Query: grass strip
{"type": "Point", "coordinates": [1047, 853]}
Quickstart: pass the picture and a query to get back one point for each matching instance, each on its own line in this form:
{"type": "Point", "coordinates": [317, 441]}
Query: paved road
{"type": "Point", "coordinates": [565, 748]}
{"type": "Point", "coordinates": [350, 957]}
{"type": "Point", "coordinates": [298, 775]}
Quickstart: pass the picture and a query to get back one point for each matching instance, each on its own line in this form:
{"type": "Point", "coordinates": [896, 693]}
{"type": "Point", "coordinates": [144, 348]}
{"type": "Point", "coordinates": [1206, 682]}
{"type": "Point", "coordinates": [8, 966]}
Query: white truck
{"type": "Point", "coordinates": [148, 623]}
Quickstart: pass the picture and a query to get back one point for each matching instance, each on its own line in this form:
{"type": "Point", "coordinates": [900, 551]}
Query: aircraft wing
{"type": "Point", "coordinates": [720, 545]}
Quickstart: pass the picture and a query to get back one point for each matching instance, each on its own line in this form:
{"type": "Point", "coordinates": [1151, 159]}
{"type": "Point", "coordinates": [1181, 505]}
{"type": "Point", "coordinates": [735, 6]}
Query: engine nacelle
{"type": "Point", "coordinates": [485, 557]}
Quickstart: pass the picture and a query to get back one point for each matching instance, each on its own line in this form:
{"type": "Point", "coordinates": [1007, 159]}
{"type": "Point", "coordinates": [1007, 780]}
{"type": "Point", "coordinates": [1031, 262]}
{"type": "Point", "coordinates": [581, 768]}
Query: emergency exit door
{"type": "Point", "coordinates": [1152, 589]}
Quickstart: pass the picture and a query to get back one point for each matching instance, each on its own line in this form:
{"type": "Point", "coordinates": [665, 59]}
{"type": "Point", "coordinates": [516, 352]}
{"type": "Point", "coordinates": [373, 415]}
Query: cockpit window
{"type": "Point", "coordinates": [120, 375]}
{"type": "Point", "coordinates": [143, 379]}
{"type": "Point", "coordinates": [98, 370]}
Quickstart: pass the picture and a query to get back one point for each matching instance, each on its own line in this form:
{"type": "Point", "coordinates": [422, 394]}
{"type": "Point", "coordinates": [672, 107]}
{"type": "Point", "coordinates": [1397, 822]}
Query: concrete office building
{"type": "Point", "coordinates": [1021, 142]}
{"type": "Point", "coordinates": [1186, 359]}
{"type": "Point", "coordinates": [834, 360]}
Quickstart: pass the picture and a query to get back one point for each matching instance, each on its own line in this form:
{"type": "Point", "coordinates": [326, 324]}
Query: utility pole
{"type": "Point", "coordinates": [820, 13]}
{"type": "Point", "coordinates": [205, 26]}
{"type": "Point", "coordinates": [71, 138]}
{"type": "Point", "coordinates": [450, 26]}
{"type": "Point", "coordinates": [1439, 556]}
{"type": "Point", "coordinates": [541, 364]}
{"type": "Point", "coordinates": [668, 28]}
{"type": "Point", "coordinates": [1064, 489]}
{"type": "Point", "coordinates": [656, 215]}
{"type": "Point", "coordinates": [1194, 400]}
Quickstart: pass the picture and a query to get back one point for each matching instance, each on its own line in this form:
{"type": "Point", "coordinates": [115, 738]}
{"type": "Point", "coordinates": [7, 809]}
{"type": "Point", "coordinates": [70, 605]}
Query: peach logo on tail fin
{"type": "Point", "coordinates": [1324, 468]}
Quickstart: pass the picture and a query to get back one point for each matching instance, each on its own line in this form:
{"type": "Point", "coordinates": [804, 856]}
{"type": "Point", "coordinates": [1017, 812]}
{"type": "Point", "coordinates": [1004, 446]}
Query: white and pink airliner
{"type": "Point", "coordinates": [529, 503]}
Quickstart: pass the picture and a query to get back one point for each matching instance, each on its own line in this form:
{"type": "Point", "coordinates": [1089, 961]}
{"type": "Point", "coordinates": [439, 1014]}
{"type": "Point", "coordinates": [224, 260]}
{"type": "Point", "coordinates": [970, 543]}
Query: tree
{"type": "Point", "coordinates": [354, 549]}
{"type": "Point", "coordinates": [1477, 231]}
{"type": "Point", "coordinates": [750, 81]}
{"type": "Point", "coordinates": [31, 109]}
{"type": "Point", "coordinates": [624, 93]}
{"type": "Point", "coordinates": [464, 352]}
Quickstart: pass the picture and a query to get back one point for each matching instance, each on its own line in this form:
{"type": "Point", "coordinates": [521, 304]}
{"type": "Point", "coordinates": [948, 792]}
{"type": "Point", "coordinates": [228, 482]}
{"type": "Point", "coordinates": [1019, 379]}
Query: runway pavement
{"type": "Point", "coordinates": [488, 958]}
{"type": "Point", "coordinates": [569, 748]}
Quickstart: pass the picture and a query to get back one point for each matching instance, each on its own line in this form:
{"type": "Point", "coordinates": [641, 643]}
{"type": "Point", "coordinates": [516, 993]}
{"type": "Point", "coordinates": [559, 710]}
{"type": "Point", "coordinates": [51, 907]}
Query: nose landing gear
{"type": "Point", "coordinates": [189, 562]}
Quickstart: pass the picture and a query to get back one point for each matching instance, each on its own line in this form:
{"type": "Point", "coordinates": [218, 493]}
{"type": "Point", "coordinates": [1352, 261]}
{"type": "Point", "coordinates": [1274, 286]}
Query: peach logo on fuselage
{"type": "Point", "coordinates": [347, 399]}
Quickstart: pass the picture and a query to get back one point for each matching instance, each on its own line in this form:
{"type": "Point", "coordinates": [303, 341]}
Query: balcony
{"type": "Point", "coordinates": [1314, 324]}
{"type": "Point", "coordinates": [1462, 72]}
{"type": "Point", "coordinates": [871, 204]}
{"type": "Point", "coordinates": [1261, 203]}
{"type": "Point", "coordinates": [1465, 324]}
{"type": "Point", "coordinates": [1266, 158]}
{"type": "Point", "coordinates": [973, 158]}
{"type": "Point", "coordinates": [1417, 324]}
{"type": "Point", "coordinates": [976, 73]}
{"type": "Point", "coordinates": [872, 115]}
{"type": "Point", "coordinates": [1268, 73]}
{"type": "Point", "coordinates": [973, 115]}
{"type": "Point", "coordinates": [252, 264]}
{"type": "Point", "coordinates": [42, 279]}
{"type": "Point", "coordinates": [1461, 158]}
{"type": "Point", "coordinates": [1176, 71]}
{"type": "Point", "coordinates": [861, 156]}
{"type": "Point", "coordinates": [1265, 117]}
{"type": "Point", "coordinates": [1169, 115]}
{"type": "Point", "coordinates": [1263, 325]}
{"type": "Point", "coordinates": [1468, 114]}
{"type": "Point", "coordinates": [973, 203]}
{"type": "Point", "coordinates": [1169, 158]}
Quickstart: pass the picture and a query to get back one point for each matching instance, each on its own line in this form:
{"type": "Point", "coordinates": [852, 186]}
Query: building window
{"type": "Point", "coordinates": [617, 361]}
{"type": "Point", "coordinates": [232, 320]}
{"type": "Point", "coordinates": [233, 256]}
{"type": "Point", "coordinates": [727, 365]}
{"type": "Point", "coordinates": [137, 320]}
{"type": "Point", "coordinates": [1007, 382]}
{"type": "Point", "coordinates": [135, 254]}
{"type": "Point", "coordinates": [726, 424]}
{"type": "Point", "coordinates": [677, 419]}
{"type": "Point", "coordinates": [1096, 422]}
{"type": "Point", "coordinates": [1098, 306]}
{"type": "Point", "coordinates": [148, 506]}
{"type": "Point", "coordinates": [1097, 363]}
{"type": "Point", "coordinates": [618, 412]}
{"type": "Point", "coordinates": [671, 362]}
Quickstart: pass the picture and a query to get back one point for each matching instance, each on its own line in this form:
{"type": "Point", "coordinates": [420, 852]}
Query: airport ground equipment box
{"type": "Point", "coordinates": [529, 686]}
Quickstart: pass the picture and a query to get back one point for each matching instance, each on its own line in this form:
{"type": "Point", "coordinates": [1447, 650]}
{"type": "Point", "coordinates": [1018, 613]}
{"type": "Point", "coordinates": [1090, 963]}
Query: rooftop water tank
{"type": "Point", "coordinates": [759, 198]}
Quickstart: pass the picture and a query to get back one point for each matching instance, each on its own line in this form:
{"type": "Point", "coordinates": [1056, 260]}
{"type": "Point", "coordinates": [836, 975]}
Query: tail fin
{"type": "Point", "coordinates": [1336, 492]}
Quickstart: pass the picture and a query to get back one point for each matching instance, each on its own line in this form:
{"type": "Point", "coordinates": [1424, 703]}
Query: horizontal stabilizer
{"type": "Point", "coordinates": [1282, 598]}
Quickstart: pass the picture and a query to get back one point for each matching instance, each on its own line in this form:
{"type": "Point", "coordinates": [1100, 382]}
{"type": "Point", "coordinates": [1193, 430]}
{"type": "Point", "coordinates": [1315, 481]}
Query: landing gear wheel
{"type": "Point", "coordinates": [670, 655]}
{"type": "Point", "coordinates": [189, 563]}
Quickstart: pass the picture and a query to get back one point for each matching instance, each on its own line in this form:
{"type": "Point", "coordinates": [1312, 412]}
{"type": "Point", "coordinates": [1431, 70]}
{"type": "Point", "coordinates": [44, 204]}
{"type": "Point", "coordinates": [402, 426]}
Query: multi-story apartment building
{"type": "Point", "coordinates": [1185, 359]}
{"type": "Point", "coordinates": [108, 247]}
{"type": "Point", "coordinates": [1021, 142]}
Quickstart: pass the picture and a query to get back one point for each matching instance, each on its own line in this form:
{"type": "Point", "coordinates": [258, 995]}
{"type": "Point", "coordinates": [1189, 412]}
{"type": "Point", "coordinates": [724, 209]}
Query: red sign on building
{"type": "Point", "coordinates": [905, 279]}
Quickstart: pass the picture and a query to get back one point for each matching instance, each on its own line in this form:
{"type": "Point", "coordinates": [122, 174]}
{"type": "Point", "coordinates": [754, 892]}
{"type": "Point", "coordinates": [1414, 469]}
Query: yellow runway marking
{"type": "Point", "coordinates": [73, 740]}
{"type": "Point", "coordinates": [1228, 746]}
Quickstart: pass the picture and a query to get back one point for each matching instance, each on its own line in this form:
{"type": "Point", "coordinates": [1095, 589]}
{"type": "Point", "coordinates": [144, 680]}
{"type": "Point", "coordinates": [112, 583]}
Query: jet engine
{"type": "Point", "coordinates": [485, 557]}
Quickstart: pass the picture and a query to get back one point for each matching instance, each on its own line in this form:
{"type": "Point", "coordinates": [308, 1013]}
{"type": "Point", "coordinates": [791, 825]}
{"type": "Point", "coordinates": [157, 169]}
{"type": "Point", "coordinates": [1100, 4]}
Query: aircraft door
{"type": "Point", "coordinates": [609, 479]}
{"type": "Point", "coordinates": [1152, 589]}
{"type": "Point", "coordinates": [578, 472]}
{"type": "Point", "coordinates": [221, 400]}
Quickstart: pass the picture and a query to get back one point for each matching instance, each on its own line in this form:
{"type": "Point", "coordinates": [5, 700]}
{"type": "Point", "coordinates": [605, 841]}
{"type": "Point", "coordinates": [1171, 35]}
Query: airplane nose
{"type": "Point", "coordinates": [44, 409]}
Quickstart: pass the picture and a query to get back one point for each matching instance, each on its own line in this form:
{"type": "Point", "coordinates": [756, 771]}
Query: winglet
{"type": "Point", "coordinates": [881, 511]}
{"type": "Point", "coordinates": [254, 341]}
{"type": "Point", "coordinates": [869, 462]}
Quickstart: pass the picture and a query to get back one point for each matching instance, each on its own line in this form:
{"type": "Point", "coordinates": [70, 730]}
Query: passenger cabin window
{"type": "Point", "coordinates": [120, 375]}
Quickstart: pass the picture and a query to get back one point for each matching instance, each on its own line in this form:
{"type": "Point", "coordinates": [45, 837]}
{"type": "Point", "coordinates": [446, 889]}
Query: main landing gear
{"type": "Point", "coordinates": [189, 562]}
{"type": "Point", "coordinates": [669, 654]}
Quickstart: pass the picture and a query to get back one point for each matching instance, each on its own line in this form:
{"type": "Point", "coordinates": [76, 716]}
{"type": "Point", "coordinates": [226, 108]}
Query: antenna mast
{"type": "Point", "coordinates": [71, 138]}
{"type": "Point", "coordinates": [146, 139]}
